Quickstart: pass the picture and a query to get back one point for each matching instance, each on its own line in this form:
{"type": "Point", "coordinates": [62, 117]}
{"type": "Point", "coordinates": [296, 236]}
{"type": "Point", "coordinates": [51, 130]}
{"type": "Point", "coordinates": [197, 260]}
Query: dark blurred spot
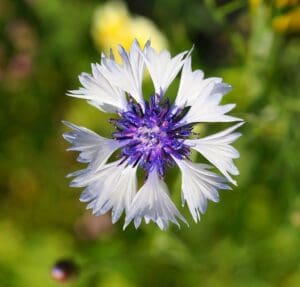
{"type": "Point", "coordinates": [213, 50]}
{"type": "Point", "coordinates": [222, 2]}
{"type": "Point", "coordinates": [141, 7]}
{"type": "Point", "coordinates": [64, 270]}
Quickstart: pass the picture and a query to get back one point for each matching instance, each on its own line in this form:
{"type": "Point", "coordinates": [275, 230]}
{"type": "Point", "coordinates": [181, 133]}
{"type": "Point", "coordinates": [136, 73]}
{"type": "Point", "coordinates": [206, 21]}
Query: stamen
{"type": "Point", "coordinates": [152, 136]}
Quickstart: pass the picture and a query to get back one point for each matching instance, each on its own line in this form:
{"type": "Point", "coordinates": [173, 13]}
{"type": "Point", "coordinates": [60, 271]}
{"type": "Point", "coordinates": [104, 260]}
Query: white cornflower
{"type": "Point", "coordinates": [152, 135]}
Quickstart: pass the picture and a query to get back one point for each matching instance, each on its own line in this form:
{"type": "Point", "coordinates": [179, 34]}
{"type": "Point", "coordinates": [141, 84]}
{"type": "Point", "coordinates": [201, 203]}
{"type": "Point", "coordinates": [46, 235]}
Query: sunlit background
{"type": "Point", "coordinates": [47, 238]}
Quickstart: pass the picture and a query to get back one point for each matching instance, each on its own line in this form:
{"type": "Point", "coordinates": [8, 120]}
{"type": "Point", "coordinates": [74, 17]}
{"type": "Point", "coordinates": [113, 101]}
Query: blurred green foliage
{"type": "Point", "coordinates": [251, 238]}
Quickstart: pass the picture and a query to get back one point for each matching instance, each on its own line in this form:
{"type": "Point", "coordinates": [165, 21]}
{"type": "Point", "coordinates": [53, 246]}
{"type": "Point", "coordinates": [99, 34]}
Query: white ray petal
{"type": "Point", "coordinates": [217, 149]}
{"type": "Point", "coordinates": [93, 148]}
{"type": "Point", "coordinates": [191, 84]}
{"type": "Point", "coordinates": [110, 188]}
{"type": "Point", "coordinates": [206, 106]}
{"type": "Point", "coordinates": [198, 186]}
{"type": "Point", "coordinates": [162, 68]}
{"type": "Point", "coordinates": [129, 75]}
{"type": "Point", "coordinates": [100, 92]}
{"type": "Point", "coordinates": [153, 203]}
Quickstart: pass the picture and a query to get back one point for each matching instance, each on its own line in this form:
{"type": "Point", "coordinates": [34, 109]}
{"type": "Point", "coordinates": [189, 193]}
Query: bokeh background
{"type": "Point", "coordinates": [251, 238]}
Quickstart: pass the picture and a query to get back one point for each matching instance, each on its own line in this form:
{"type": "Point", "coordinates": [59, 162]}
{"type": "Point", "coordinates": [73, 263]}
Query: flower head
{"type": "Point", "coordinates": [152, 135]}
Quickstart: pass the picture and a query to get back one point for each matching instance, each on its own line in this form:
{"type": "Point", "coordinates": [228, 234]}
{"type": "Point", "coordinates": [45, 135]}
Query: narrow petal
{"type": "Point", "coordinates": [93, 148]}
{"type": "Point", "coordinates": [193, 85]}
{"type": "Point", "coordinates": [153, 203]}
{"type": "Point", "coordinates": [217, 149]}
{"type": "Point", "coordinates": [206, 106]}
{"type": "Point", "coordinates": [190, 86]}
{"type": "Point", "coordinates": [162, 68]}
{"type": "Point", "coordinates": [198, 186]}
{"type": "Point", "coordinates": [100, 92]}
{"type": "Point", "coordinates": [110, 188]}
{"type": "Point", "coordinates": [128, 76]}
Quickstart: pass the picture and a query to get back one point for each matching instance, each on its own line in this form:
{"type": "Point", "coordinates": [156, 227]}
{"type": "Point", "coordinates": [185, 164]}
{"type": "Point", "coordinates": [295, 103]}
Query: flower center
{"type": "Point", "coordinates": [151, 137]}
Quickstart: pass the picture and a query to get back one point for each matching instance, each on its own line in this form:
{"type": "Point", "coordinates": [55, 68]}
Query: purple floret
{"type": "Point", "coordinates": [152, 136]}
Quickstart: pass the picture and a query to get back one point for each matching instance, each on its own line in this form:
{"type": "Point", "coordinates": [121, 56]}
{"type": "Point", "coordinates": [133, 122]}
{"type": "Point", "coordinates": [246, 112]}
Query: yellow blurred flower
{"type": "Point", "coordinates": [254, 4]}
{"type": "Point", "coordinates": [277, 3]}
{"type": "Point", "coordinates": [289, 22]}
{"type": "Point", "coordinates": [113, 25]}
{"type": "Point", "coordinates": [144, 29]}
{"type": "Point", "coordinates": [284, 3]}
